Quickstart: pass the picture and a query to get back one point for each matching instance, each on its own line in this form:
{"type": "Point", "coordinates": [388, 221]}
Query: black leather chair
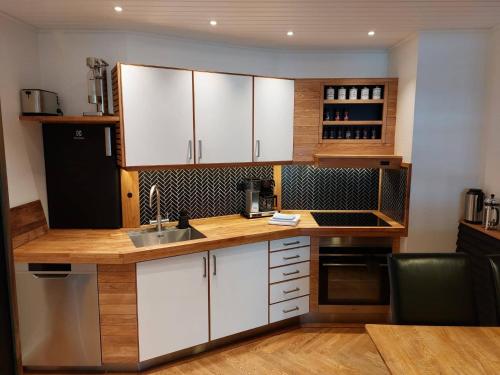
{"type": "Point", "coordinates": [495, 268]}
{"type": "Point", "coordinates": [431, 289]}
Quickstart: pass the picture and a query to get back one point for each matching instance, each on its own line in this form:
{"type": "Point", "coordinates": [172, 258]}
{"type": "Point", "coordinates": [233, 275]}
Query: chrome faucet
{"type": "Point", "coordinates": [159, 221]}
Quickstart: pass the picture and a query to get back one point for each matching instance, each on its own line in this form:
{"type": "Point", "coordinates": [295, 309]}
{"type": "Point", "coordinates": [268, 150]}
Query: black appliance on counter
{"type": "Point", "coordinates": [353, 271]}
{"type": "Point", "coordinates": [83, 178]}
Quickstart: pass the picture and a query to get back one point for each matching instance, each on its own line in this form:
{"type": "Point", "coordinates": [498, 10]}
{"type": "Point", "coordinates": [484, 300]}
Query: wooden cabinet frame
{"type": "Point", "coordinates": [308, 119]}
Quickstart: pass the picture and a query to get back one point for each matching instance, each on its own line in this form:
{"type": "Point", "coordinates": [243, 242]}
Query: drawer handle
{"type": "Point", "coordinates": [291, 243]}
{"type": "Point", "coordinates": [296, 308]}
{"type": "Point", "coordinates": [291, 273]}
{"type": "Point", "coordinates": [291, 291]}
{"type": "Point", "coordinates": [292, 257]}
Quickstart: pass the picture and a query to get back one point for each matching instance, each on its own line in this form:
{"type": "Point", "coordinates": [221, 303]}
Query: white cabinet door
{"type": "Point", "coordinates": [238, 289]}
{"type": "Point", "coordinates": [172, 304]}
{"type": "Point", "coordinates": [273, 119]}
{"type": "Point", "coordinates": [223, 118]}
{"type": "Point", "coordinates": [158, 115]}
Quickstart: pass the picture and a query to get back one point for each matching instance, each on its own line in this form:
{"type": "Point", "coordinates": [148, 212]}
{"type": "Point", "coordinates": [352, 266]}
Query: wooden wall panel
{"type": "Point", "coordinates": [118, 314]}
{"type": "Point", "coordinates": [130, 199]}
{"type": "Point", "coordinates": [306, 119]}
{"type": "Point", "coordinates": [27, 223]}
{"type": "Point", "coordinates": [117, 106]}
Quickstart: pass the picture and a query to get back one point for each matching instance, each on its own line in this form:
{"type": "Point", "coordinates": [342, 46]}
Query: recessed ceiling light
{"type": "Point", "coordinates": [118, 9]}
{"type": "Point", "coordinates": [290, 33]}
{"type": "Point", "coordinates": [213, 22]}
{"type": "Point", "coordinates": [371, 33]}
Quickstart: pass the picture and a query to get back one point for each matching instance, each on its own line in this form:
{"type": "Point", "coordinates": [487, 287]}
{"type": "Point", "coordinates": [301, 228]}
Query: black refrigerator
{"type": "Point", "coordinates": [83, 178]}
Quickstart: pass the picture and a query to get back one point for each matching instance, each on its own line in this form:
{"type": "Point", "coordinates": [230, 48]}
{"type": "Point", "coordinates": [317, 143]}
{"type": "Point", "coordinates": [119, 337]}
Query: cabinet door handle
{"type": "Point", "coordinates": [291, 291]}
{"type": "Point", "coordinates": [292, 257]}
{"type": "Point", "coordinates": [296, 308]}
{"type": "Point", "coordinates": [107, 140]}
{"type": "Point", "coordinates": [190, 150]}
{"type": "Point", "coordinates": [291, 273]}
{"type": "Point", "coordinates": [291, 243]}
{"type": "Point", "coordinates": [204, 267]}
{"type": "Point", "coordinates": [199, 149]}
{"type": "Point", "coordinates": [257, 146]}
{"type": "Point", "coordinates": [215, 265]}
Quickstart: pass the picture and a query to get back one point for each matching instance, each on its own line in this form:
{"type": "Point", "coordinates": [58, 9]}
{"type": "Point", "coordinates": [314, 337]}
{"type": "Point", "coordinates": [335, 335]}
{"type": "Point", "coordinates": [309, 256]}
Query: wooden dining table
{"type": "Point", "coordinates": [422, 350]}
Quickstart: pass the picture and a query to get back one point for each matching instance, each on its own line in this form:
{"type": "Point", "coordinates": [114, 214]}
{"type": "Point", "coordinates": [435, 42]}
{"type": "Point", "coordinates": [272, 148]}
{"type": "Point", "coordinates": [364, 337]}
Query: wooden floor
{"type": "Point", "coordinates": [324, 351]}
{"type": "Point", "coordinates": [300, 351]}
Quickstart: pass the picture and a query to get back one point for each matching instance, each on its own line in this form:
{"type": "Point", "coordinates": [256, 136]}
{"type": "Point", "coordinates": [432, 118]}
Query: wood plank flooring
{"type": "Point", "coordinates": [323, 351]}
{"type": "Point", "coordinates": [339, 351]}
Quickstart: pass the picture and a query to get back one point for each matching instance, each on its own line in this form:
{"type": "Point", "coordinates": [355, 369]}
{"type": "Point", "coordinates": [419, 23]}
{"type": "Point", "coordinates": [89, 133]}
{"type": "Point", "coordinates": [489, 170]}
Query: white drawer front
{"type": "Point", "coordinates": [287, 243]}
{"type": "Point", "coordinates": [282, 258]}
{"type": "Point", "coordinates": [289, 289]}
{"type": "Point", "coordinates": [293, 271]}
{"type": "Point", "coordinates": [289, 309]}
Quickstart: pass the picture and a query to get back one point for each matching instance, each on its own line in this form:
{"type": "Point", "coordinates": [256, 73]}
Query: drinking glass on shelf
{"type": "Point", "coordinates": [357, 134]}
{"type": "Point", "coordinates": [340, 134]}
{"type": "Point", "coordinates": [365, 133]}
{"type": "Point", "coordinates": [374, 133]}
{"type": "Point", "coordinates": [348, 133]}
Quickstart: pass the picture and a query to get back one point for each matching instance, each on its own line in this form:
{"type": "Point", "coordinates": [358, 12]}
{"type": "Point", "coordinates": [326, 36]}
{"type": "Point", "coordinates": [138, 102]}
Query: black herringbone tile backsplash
{"type": "Point", "coordinates": [212, 191]}
{"type": "Point", "coordinates": [203, 192]}
{"type": "Point", "coordinates": [392, 200]}
{"type": "Point", "coordinates": [311, 188]}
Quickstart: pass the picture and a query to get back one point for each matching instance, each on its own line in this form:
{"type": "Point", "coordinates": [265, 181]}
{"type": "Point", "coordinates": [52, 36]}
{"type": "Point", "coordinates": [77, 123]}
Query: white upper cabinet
{"type": "Point", "coordinates": [223, 118]}
{"type": "Point", "coordinates": [239, 283]}
{"type": "Point", "coordinates": [273, 119]}
{"type": "Point", "coordinates": [172, 304]}
{"type": "Point", "coordinates": [158, 115]}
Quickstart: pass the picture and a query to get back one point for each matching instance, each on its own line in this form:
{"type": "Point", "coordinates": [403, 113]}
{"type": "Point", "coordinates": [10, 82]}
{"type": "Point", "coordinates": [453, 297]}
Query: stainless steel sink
{"type": "Point", "coordinates": [168, 235]}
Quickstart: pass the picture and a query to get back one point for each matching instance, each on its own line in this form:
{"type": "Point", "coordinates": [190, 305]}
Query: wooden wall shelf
{"type": "Point", "coordinates": [358, 161]}
{"type": "Point", "coordinates": [354, 101]}
{"type": "Point", "coordinates": [309, 122]}
{"type": "Point", "coordinates": [87, 120]}
{"type": "Point", "coordinates": [353, 123]}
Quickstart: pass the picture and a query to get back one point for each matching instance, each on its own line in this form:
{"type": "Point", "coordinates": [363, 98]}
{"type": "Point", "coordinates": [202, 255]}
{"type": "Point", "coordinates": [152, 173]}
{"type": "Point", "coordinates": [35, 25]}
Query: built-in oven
{"type": "Point", "coordinates": [353, 271]}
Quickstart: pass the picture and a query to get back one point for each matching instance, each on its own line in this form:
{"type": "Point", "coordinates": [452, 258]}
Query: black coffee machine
{"type": "Point", "coordinates": [260, 200]}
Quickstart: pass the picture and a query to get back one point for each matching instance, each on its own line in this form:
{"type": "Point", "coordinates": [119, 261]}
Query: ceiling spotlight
{"type": "Point", "coordinates": [371, 33]}
{"type": "Point", "coordinates": [290, 33]}
{"type": "Point", "coordinates": [213, 22]}
{"type": "Point", "coordinates": [118, 9]}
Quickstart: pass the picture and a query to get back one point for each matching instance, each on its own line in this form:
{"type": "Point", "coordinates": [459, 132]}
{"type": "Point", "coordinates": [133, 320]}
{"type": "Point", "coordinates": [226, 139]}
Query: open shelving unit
{"type": "Point", "coordinates": [370, 122]}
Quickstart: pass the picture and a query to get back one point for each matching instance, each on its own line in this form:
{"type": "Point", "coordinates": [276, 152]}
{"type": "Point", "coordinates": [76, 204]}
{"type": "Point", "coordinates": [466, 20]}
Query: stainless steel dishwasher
{"type": "Point", "coordinates": [58, 315]}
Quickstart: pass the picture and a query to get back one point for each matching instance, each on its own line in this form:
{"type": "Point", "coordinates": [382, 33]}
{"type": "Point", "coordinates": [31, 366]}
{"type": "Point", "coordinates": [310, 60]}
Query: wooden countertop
{"type": "Point", "coordinates": [113, 246]}
{"type": "Point", "coordinates": [490, 232]}
{"type": "Point", "coordinates": [414, 350]}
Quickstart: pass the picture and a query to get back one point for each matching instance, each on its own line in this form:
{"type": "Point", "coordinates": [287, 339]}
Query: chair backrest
{"type": "Point", "coordinates": [495, 268]}
{"type": "Point", "coordinates": [431, 289]}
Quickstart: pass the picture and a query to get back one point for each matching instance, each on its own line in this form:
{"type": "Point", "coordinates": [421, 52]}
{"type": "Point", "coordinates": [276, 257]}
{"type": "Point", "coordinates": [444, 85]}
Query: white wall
{"type": "Point", "coordinates": [63, 53]}
{"type": "Point", "coordinates": [403, 61]}
{"type": "Point", "coordinates": [447, 149]}
{"type": "Point", "coordinates": [491, 138]}
{"type": "Point", "coordinates": [23, 142]}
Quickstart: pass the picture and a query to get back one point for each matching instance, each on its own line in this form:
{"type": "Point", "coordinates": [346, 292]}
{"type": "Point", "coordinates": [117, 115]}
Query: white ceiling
{"type": "Point", "coordinates": [318, 24]}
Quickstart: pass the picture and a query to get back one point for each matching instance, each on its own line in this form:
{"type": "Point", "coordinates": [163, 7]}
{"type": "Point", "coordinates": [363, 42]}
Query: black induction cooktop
{"type": "Point", "coordinates": [348, 219]}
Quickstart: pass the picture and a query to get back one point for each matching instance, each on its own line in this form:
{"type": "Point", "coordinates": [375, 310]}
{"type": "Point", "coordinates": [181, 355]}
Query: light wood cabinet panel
{"type": "Point", "coordinates": [273, 119]}
{"type": "Point", "coordinates": [157, 116]}
{"type": "Point", "coordinates": [238, 289]}
{"type": "Point", "coordinates": [223, 118]}
{"type": "Point", "coordinates": [172, 304]}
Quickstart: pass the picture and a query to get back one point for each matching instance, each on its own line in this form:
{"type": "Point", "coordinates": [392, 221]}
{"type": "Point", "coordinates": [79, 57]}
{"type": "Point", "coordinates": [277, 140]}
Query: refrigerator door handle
{"type": "Point", "coordinates": [107, 141]}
